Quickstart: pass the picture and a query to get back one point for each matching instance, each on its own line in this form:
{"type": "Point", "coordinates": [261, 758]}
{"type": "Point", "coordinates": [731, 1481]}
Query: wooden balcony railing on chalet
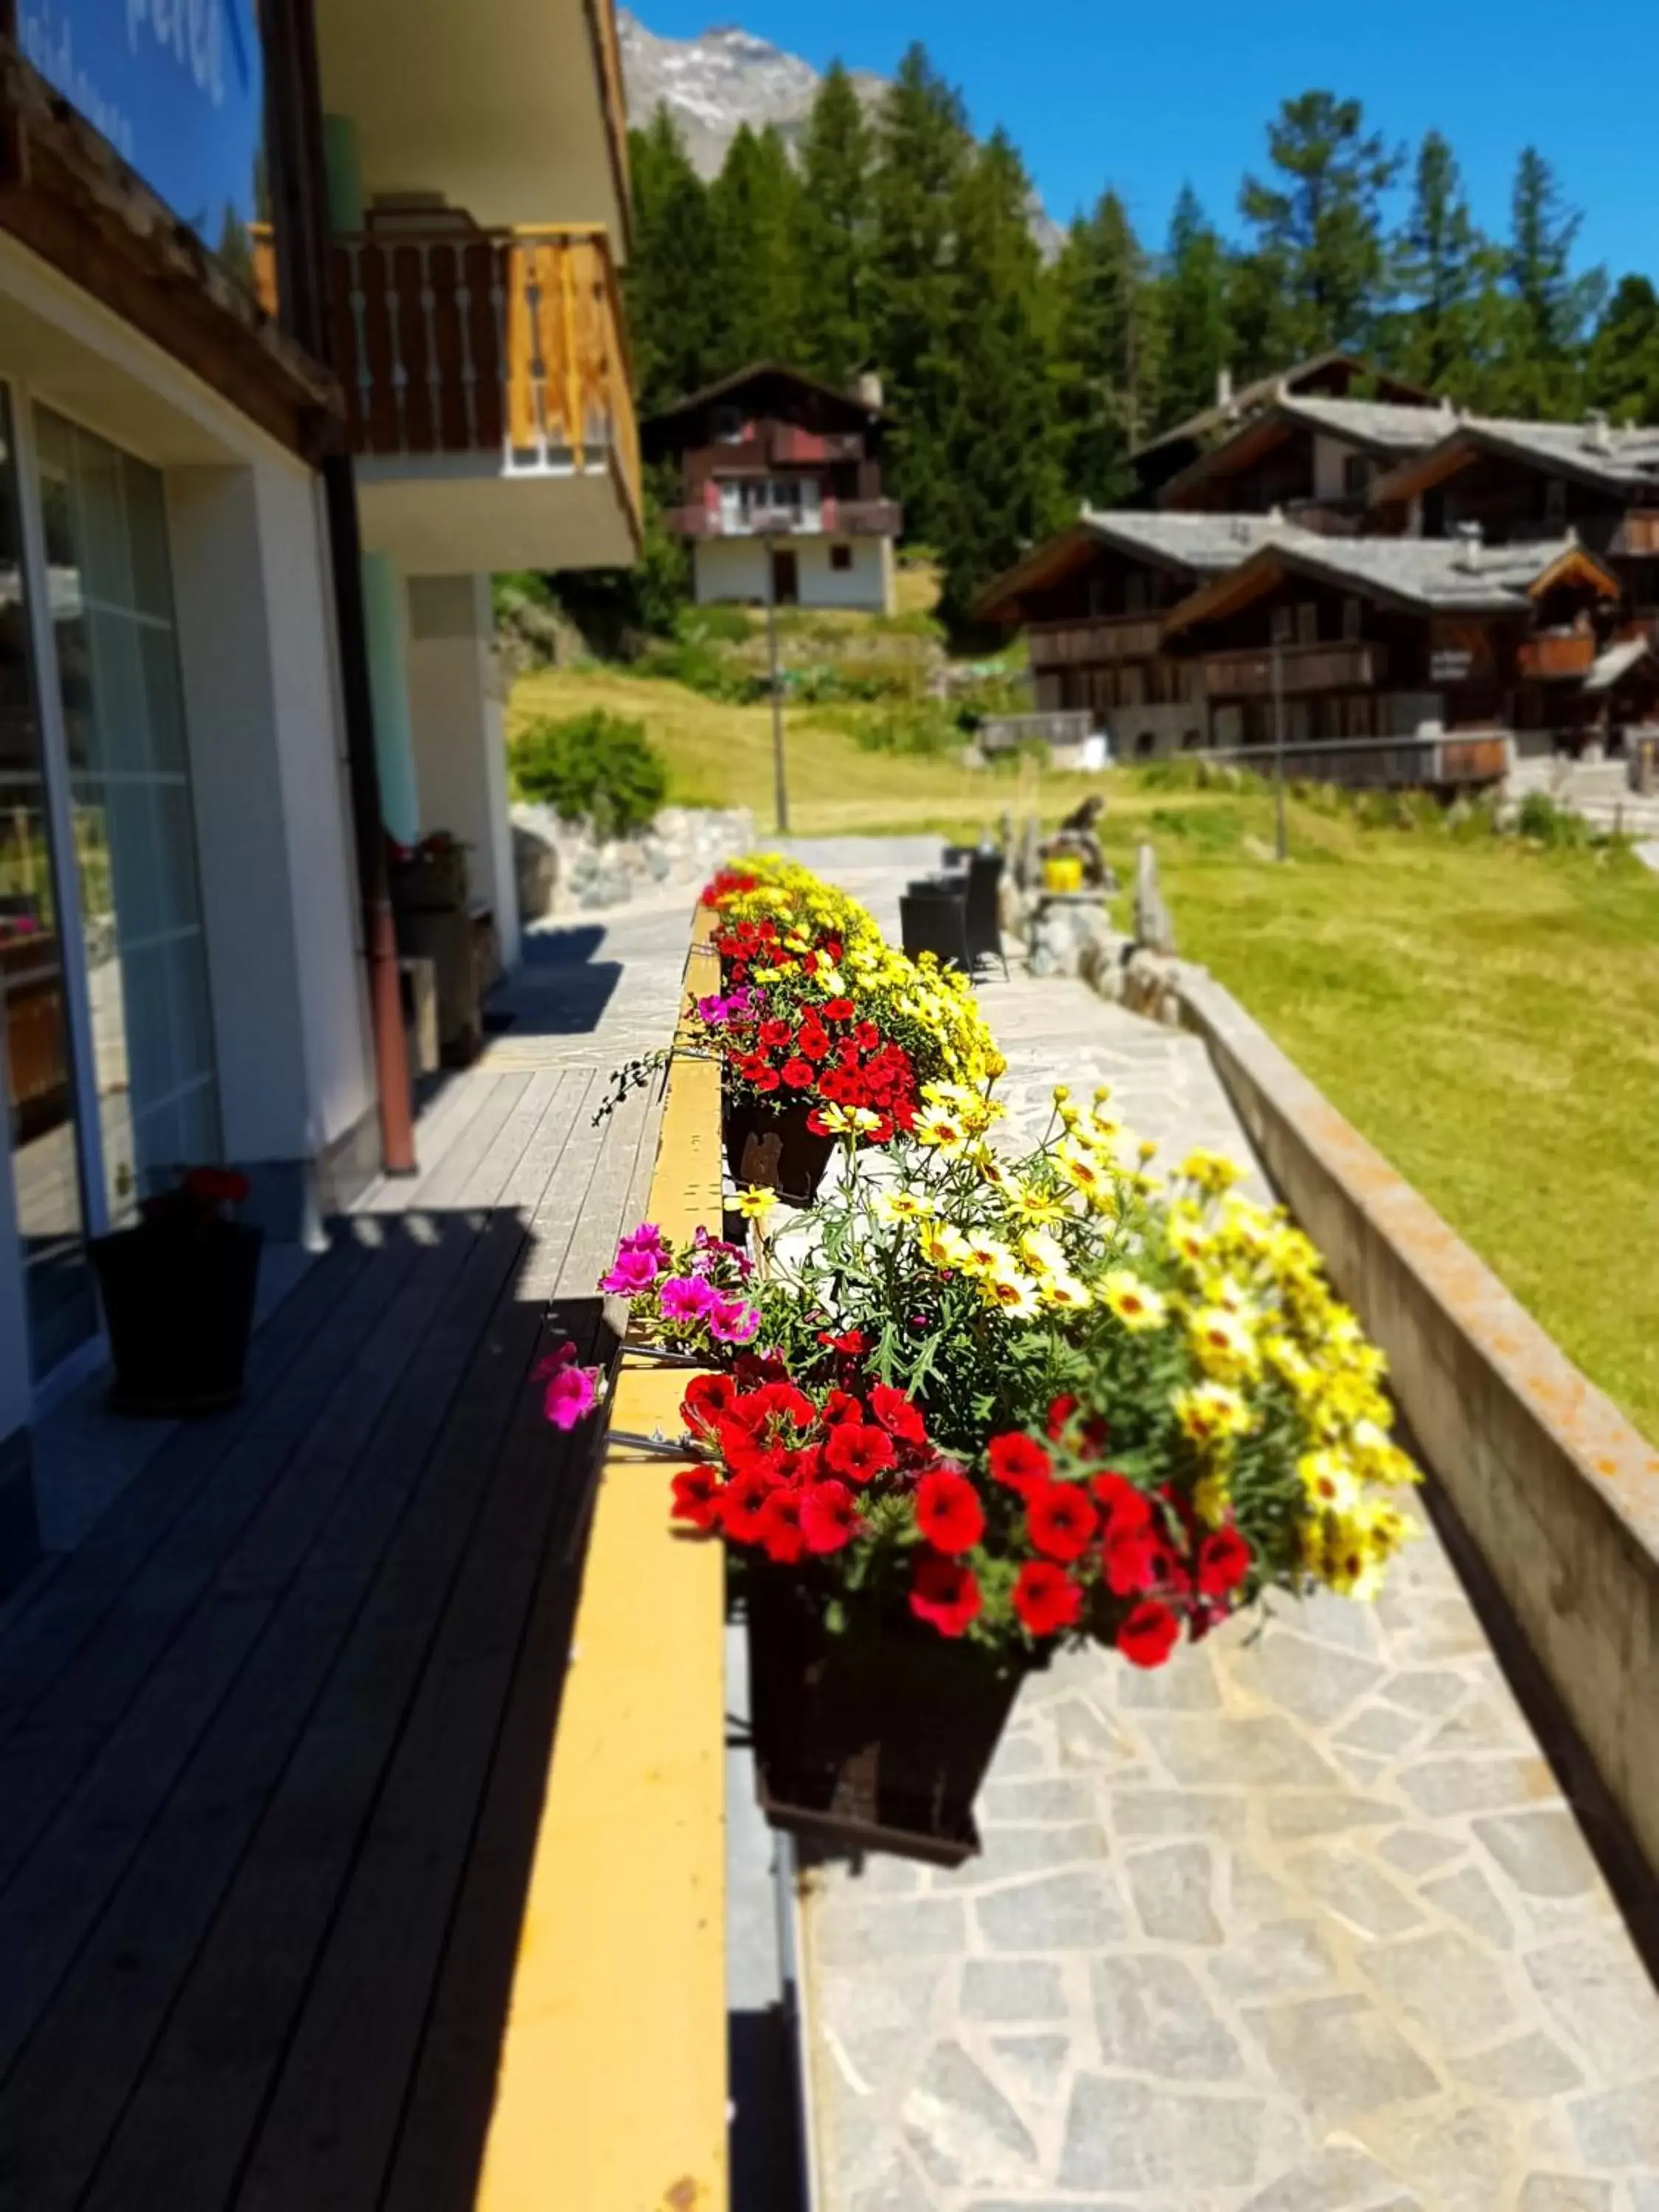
{"type": "Point", "coordinates": [1545, 658]}
{"type": "Point", "coordinates": [1397, 763]}
{"type": "Point", "coordinates": [1108, 637]}
{"type": "Point", "coordinates": [792, 445]}
{"type": "Point", "coordinates": [1637, 533]}
{"type": "Point", "coordinates": [832, 518]}
{"type": "Point", "coordinates": [1302, 668]}
{"type": "Point", "coordinates": [455, 340]}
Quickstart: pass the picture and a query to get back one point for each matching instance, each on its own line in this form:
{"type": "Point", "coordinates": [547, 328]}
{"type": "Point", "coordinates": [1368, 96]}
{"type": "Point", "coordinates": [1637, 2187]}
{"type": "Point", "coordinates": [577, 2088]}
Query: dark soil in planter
{"type": "Point", "coordinates": [772, 1147]}
{"type": "Point", "coordinates": [877, 1742]}
{"type": "Point", "coordinates": [179, 1303]}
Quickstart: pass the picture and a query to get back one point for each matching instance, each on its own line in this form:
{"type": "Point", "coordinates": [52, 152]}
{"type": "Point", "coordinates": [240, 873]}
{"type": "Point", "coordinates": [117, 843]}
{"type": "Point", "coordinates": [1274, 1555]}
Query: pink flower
{"type": "Point", "coordinates": [647, 1237]}
{"type": "Point", "coordinates": [688, 1298]}
{"type": "Point", "coordinates": [572, 1391]}
{"type": "Point", "coordinates": [732, 1321]}
{"type": "Point", "coordinates": [634, 1272]}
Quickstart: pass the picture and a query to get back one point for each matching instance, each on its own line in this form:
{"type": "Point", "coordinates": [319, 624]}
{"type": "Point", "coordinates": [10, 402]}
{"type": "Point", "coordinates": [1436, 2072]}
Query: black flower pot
{"type": "Point", "coordinates": [179, 1305]}
{"type": "Point", "coordinates": [875, 1739]}
{"type": "Point", "coordinates": [772, 1148]}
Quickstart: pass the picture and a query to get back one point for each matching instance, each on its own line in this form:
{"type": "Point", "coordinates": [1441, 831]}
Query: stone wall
{"type": "Point", "coordinates": [562, 868]}
{"type": "Point", "coordinates": [1556, 1488]}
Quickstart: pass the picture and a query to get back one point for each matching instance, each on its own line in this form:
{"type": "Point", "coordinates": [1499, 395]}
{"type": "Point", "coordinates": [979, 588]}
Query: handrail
{"type": "Point", "coordinates": [612, 2085]}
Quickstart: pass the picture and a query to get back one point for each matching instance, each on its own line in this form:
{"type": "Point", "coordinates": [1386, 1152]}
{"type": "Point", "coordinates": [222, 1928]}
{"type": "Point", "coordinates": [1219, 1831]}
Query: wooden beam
{"type": "Point", "coordinates": [611, 2090]}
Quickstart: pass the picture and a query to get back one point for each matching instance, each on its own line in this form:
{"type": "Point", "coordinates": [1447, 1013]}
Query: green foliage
{"type": "Point", "coordinates": [1194, 302]}
{"type": "Point", "coordinates": [920, 728]}
{"type": "Point", "coordinates": [1318, 222]}
{"type": "Point", "coordinates": [1540, 819]}
{"type": "Point", "coordinates": [1107, 350]}
{"type": "Point", "coordinates": [596, 766]}
{"type": "Point", "coordinates": [753, 204]}
{"type": "Point", "coordinates": [1621, 373]}
{"type": "Point", "coordinates": [836, 152]}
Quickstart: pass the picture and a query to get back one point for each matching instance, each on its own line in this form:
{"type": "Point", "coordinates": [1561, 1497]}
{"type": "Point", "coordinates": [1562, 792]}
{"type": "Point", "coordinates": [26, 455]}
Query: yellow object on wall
{"type": "Point", "coordinates": [1064, 873]}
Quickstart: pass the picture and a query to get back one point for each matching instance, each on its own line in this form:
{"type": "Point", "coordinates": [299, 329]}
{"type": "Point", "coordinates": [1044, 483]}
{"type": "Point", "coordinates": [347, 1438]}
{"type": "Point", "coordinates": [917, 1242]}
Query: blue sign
{"type": "Point", "coordinates": [177, 88]}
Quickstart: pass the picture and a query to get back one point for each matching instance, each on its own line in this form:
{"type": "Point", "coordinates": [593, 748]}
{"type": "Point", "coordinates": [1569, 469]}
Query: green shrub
{"type": "Point", "coordinates": [716, 625]}
{"type": "Point", "coordinates": [1547, 823]}
{"type": "Point", "coordinates": [596, 765]}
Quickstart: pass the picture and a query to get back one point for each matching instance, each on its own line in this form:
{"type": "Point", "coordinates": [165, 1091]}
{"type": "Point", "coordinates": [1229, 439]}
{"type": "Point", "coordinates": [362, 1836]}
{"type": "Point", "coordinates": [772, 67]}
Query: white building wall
{"type": "Point", "coordinates": [460, 743]}
{"type": "Point", "coordinates": [1330, 456]}
{"type": "Point", "coordinates": [735, 568]}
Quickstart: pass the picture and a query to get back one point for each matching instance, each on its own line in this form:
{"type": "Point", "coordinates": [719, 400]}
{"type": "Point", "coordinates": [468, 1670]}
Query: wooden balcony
{"type": "Point", "coordinates": [1397, 764]}
{"type": "Point", "coordinates": [793, 446]}
{"type": "Point", "coordinates": [1551, 659]}
{"type": "Point", "coordinates": [1304, 668]}
{"type": "Point", "coordinates": [833, 518]}
{"type": "Point", "coordinates": [1109, 637]}
{"type": "Point", "coordinates": [507, 347]}
{"type": "Point", "coordinates": [1638, 533]}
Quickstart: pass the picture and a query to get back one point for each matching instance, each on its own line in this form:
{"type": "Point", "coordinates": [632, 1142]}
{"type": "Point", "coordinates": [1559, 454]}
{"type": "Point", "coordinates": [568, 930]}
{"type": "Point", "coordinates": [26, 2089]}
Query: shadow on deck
{"type": "Point", "coordinates": [274, 1740]}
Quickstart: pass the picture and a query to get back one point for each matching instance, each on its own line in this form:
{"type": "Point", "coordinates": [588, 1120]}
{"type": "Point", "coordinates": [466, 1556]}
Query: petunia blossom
{"type": "Point", "coordinates": [687, 1298]}
{"type": "Point", "coordinates": [733, 1321]}
{"type": "Point", "coordinates": [572, 1392]}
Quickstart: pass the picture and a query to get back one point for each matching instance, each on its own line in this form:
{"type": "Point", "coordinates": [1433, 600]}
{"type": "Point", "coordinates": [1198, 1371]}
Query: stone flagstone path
{"type": "Point", "coordinates": [1301, 1924]}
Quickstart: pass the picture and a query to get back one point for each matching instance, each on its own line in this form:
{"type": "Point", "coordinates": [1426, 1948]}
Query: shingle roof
{"type": "Point", "coordinates": [1437, 573]}
{"type": "Point", "coordinates": [1620, 460]}
{"type": "Point", "coordinates": [1617, 660]}
{"type": "Point", "coordinates": [1206, 544]}
{"type": "Point", "coordinates": [1250, 399]}
{"type": "Point", "coordinates": [1372, 422]}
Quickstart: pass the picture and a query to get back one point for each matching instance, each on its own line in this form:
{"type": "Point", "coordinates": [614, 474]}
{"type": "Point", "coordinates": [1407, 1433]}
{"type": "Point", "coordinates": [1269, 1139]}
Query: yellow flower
{"type": "Point", "coordinates": [1035, 1205]}
{"type": "Point", "coordinates": [1212, 1498]}
{"type": "Point", "coordinates": [937, 1126]}
{"type": "Point", "coordinates": [1063, 1293]}
{"type": "Point", "coordinates": [904, 1205]}
{"type": "Point", "coordinates": [984, 1255]}
{"type": "Point", "coordinates": [1136, 1304]}
{"type": "Point", "coordinates": [1083, 1172]}
{"type": "Point", "coordinates": [1211, 1171]}
{"type": "Point", "coordinates": [755, 1203]}
{"type": "Point", "coordinates": [1224, 1346]}
{"type": "Point", "coordinates": [1062, 1093]}
{"type": "Point", "coordinates": [941, 1246]}
{"type": "Point", "coordinates": [992, 1170]}
{"type": "Point", "coordinates": [1210, 1413]}
{"type": "Point", "coordinates": [1016, 1294]}
{"type": "Point", "coordinates": [1328, 1481]}
{"type": "Point", "coordinates": [1043, 1253]}
{"type": "Point", "coordinates": [848, 1121]}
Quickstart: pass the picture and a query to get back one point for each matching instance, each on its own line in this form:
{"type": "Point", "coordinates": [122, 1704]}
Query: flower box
{"type": "Point", "coordinates": [771, 1148]}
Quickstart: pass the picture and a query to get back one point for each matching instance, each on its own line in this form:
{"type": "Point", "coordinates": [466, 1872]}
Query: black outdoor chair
{"type": "Point", "coordinates": [934, 917]}
{"type": "Point", "coordinates": [984, 909]}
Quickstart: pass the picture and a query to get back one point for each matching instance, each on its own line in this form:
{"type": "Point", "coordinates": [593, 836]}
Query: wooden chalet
{"type": "Point", "coordinates": [1314, 459]}
{"type": "Point", "coordinates": [1519, 482]}
{"type": "Point", "coordinates": [1411, 660]}
{"type": "Point", "coordinates": [780, 489]}
{"type": "Point", "coordinates": [1092, 601]}
{"type": "Point", "coordinates": [1331, 375]}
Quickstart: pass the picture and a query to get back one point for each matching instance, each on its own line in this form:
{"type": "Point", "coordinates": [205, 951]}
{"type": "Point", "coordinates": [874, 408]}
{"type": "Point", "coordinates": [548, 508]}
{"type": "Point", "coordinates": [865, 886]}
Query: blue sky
{"type": "Point", "coordinates": [1143, 96]}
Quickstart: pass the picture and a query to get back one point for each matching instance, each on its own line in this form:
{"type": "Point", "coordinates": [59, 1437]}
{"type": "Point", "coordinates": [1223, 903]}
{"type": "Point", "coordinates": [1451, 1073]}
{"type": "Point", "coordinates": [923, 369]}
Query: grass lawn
{"type": "Point", "coordinates": [1486, 1012]}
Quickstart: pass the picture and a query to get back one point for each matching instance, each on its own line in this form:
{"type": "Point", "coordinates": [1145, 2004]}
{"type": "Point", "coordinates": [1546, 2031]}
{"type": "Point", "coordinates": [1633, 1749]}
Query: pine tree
{"type": "Point", "coordinates": [1440, 263]}
{"type": "Point", "coordinates": [1106, 342]}
{"type": "Point", "coordinates": [1622, 371]}
{"type": "Point", "coordinates": [674, 318]}
{"type": "Point", "coordinates": [1195, 312]}
{"type": "Point", "coordinates": [1319, 225]}
{"type": "Point", "coordinates": [1552, 305]}
{"type": "Point", "coordinates": [998, 486]}
{"type": "Point", "coordinates": [836, 155]}
{"type": "Point", "coordinates": [757, 272]}
{"type": "Point", "coordinates": [923, 153]}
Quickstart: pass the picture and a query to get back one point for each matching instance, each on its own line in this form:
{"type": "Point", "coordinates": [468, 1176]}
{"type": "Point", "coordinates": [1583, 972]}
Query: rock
{"type": "Point", "coordinates": [535, 871]}
{"type": "Point", "coordinates": [1154, 925]}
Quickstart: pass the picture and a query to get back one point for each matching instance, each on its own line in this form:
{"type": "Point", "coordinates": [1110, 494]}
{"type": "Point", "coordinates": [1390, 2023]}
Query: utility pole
{"type": "Point", "coordinates": [1278, 749]}
{"type": "Point", "coordinates": [780, 782]}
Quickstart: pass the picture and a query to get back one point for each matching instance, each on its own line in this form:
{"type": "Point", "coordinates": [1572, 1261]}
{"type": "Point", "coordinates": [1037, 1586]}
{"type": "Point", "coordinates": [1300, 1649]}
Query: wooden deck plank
{"type": "Point", "coordinates": [476, 1148]}
{"type": "Point", "coordinates": [68, 2091]}
{"type": "Point", "coordinates": [36, 1642]}
{"type": "Point", "coordinates": [185, 2135]}
{"type": "Point", "coordinates": [457, 1104]}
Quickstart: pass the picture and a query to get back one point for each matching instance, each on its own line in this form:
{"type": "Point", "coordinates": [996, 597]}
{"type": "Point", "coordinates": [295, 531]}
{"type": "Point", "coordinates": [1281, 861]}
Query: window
{"type": "Point", "coordinates": [1283, 632]}
{"type": "Point", "coordinates": [1144, 745]}
{"type": "Point", "coordinates": [727, 424]}
{"type": "Point", "coordinates": [1134, 594]}
{"type": "Point", "coordinates": [841, 558]}
{"type": "Point", "coordinates": [1555, 502]}
{"type": "Point", "coordinates": [1356, 476]}
{"type": "Point", "coordinates": [1307, 624]}
{"type": "Point", "coordinates": [1353, 621]}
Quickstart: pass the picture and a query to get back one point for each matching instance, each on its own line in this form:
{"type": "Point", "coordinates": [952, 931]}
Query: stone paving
{"type": "Point", "coordinates": [1301, 1924]}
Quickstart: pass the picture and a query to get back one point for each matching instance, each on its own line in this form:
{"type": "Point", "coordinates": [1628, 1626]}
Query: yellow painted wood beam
{"type": "Point", "coordinates": [613, 2091]}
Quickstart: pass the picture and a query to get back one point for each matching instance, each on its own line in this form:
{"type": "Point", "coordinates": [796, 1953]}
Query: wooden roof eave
{"type": "Point", "coordinates": [1573, 565]}
{"type": "Point", "coordinates": [1274, 564]}
{"type": "Point", "coordinates": [1250, 442]}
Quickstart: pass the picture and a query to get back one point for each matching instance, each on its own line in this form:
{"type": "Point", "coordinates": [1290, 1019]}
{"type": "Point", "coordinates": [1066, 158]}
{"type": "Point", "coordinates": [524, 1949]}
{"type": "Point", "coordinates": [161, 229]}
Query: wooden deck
{"type": "Point", "coordinates": [274, 1738]}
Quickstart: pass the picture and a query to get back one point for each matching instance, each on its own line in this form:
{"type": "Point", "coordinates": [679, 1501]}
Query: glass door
{"type": "Point", "coordinates": [47, 1166]}
{"type": "Point", "coordinates": [104, 525]}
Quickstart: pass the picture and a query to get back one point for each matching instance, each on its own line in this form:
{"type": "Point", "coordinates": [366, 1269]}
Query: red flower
{"type": "Point", "coordinates": [858, 1450]}
{"type": "Point", "coordinates": [868, 1036]}
{"type": "Point", "coordinates": [1046, 1598]}
{"type": "Point", "coordinates": [840, 1406]}
{"type": "Point", "coordinates": [1020, 1461]}
{"type": "Point", "coordinates": [707, 1397]}
{"type": "Point", "coordinates": [813, 1043]}
{"type": "Point", "coordinates": [1061, 1410]}
{"type": "Point", "coordinates": [781, 1531]}
{"type": "Point", "coordinates": [1059, 1519]}
{"type": "Point", "coordinates": [1149, 1635]}
{"type": "Point", "coordinates": [775, 1034]}
{"type": "Point", "coordinates": [765, 1079]}
{"type": "Point", "coordinates": [1223, 1560]}
{"type": "Point", "coordinates": [697, 1497]}
{"type": "Point", "coordinates": [799, 1074]}
{"type": "Point", "coordinates": [743, 1508]}
{"type": "Point", "coordinates": [849, 1344]}
{"type": "Point", "coordinates": [754, 1368]}
{"type": "Point", "coordinates": [898, 1415]}
{"type": "Point", "coordinates": [839, 1010]}
{"type": "Point", "coordinates": [948, 1511]}
{"type": "Point", "coordinates": [780, 1400]}
{"type": "Point", "coordinates": [946, 1595]}
{"type": "Point", "coordinates": [1128, 1511]}
{"type": "Point", "coordinates": [1136, 1560]}
{"type": "Point", "coordinates": [829, 1518]}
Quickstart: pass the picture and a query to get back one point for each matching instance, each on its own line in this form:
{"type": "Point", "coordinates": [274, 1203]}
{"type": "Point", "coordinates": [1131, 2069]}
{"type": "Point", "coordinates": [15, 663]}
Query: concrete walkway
{"type": "Point", "coordinates": [1302, 1923]}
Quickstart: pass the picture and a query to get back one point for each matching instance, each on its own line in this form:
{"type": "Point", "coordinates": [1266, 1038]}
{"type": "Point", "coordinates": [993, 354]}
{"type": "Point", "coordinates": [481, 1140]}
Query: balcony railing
{"type": "Point", "coordinates": [455, 341]}
{"type": "Point", "coordinates": [1637, 533]}
{"type": "Point", "coordinates": [1545, 658]}
{"type": "Point", "coordinates": [793, 445]}
{"type": "Point", "coordinates": [1383, 764]}
{"type": "Point", "coordinates": [834, 518]}
{"type": "Point", "coordinates": [1066, 725]}
{"type": "Point", "coordinates": [1302, 668]}
{"type": "Point", "coordinates": [1109, 637]}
